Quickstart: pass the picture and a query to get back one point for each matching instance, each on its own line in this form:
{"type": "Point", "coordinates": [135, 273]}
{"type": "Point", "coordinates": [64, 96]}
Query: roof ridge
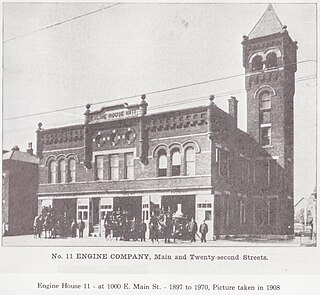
{"type": "Point", "coordinates": [260, 29]}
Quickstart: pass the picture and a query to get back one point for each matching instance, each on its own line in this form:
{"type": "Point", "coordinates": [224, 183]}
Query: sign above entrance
{"type": "Point", "coordinates": [122, 113]}
{"type": "Point", "coordinates": [117, 112]}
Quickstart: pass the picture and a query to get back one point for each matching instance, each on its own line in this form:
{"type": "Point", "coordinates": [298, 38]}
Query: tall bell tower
{"type": "Point", "coordinates": [269, 59]}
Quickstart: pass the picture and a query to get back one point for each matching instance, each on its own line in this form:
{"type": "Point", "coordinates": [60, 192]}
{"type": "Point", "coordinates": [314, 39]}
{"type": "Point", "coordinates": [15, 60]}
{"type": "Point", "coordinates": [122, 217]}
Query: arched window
{"type": "Point", "coordinates": [175, 163]}
{"type": "Point", "coordinates": [62, 171]}
{"type": "Point", "coordinates": [162, 163]}
{"type": "Point", "coordinates": [265, 118]}
{"type": "Point", "coordinates": [190, 161]}
{"type": "Point", "coordinates": [52, 172]}
{"type": "Point", "coordinates": [72, 170]}
{"type": "Point", "coordinates": [271, 60]}
{"type": "Point", "coordinates": [257, 63]}
{"type": "Point", "coordinates": [265, 100]}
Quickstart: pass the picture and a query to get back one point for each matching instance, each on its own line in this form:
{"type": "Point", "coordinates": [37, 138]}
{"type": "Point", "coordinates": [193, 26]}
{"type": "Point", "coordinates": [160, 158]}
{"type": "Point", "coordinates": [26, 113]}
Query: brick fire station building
{"type": "Point", "coordinates": [240, 183]}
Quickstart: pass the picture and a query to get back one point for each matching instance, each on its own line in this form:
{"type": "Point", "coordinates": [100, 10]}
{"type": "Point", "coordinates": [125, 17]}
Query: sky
{"type": "Point", "coordinates": [131, 49]}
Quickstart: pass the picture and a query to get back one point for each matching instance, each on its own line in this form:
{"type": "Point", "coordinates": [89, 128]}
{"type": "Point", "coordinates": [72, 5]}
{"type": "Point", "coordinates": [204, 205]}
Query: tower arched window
{"type": "Point", "coordinates": [72, 170]}
{"type": "Point", "coordinates": [52, 172]}
{"type": "Point", "coordinates": [271, 60]}
{"type": "Point", "coordinates": [175, 162]}
{"type": "Point", "coordinates": [265, 118]}
{"type": "Point", "coordinates": [190, 161]}
{"type": "Point", "coordinates": [62, 171]}
{"type": "Point", "coordinates": [257, 63]}
{"type": "Point", "coordinates": [265, 100]}
{"type": "Point", "coordinates": [162, 163]}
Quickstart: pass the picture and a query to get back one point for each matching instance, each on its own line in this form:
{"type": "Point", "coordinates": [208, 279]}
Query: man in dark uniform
{"type": "Point", "coordinates": [73, 228]}
{"type": "Point", "coordinates": [153, 226]}
{"type": "Point", "coordinates": [125, 229]}
{"type": "Point", "coordinates": [81, 227]}
{"type": "Point", "coordinates": [192, 229]}
{"type": "Point", "coordinates": [203, 231]}
{"type": "Point", "coordinates": [143, 229]}
{"type": "Point", "coordinates": [107, 227]}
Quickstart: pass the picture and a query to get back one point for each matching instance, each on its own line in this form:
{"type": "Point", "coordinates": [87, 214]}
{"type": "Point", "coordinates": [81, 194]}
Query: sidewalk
{"type": "Point", "coordinates": [30, 241]}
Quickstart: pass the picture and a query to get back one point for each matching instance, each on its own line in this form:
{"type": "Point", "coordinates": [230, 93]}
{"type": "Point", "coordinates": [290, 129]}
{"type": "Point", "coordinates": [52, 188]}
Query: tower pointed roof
{"type": "Point", "coordinates": [268, 24]}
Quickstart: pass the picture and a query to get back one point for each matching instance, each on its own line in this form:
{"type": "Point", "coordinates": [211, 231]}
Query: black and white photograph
{"type": "Point", "coordinates": [159, 125]}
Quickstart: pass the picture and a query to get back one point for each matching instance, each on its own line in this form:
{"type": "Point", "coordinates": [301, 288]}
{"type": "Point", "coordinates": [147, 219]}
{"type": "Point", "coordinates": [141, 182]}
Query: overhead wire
{"type": "Point", "coordinates": [146, 93]}
{"type": "Point", "coordinates": [156, 107]}
{"type": "Point", "coordinates": [59, 23]}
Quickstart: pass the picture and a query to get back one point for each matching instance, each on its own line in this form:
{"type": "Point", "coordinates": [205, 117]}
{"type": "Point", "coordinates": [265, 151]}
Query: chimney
{"type": "Point", "coordinates": [15, 148]}
{"type": "Point", "coordinates": [233, 108]}
{"type": "Point", "coordinates": [30, 149]}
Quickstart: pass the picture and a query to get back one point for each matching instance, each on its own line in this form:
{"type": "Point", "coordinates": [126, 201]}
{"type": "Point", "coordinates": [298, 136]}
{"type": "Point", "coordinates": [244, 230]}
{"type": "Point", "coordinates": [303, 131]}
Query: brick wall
{"type": "Point", "coordinates": [191, 132]}
{"type": "Point", "coordinates": [22, 199]}
{"type": "Point", "coordinates": [177, 130]}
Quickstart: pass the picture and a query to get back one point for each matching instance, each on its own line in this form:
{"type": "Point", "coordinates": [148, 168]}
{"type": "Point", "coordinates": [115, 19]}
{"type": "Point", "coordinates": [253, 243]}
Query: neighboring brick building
{"type": "Point", "coordinates": [19, 191]}
{"type": "Point", "coordinates": [240, 183]}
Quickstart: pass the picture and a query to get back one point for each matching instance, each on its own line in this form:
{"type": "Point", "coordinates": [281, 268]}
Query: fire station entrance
{"type": "Point", "coordinates": [65, 211]}
{"type": "Point", "coordinates": [187, 204]}
{"type": "Point", "coordinates": [131, 205]}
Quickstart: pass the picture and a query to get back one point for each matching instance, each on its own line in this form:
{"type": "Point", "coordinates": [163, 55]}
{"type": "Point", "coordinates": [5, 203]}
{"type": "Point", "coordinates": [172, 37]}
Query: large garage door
{"type": "Point", "coordinates": [132, 205]}
{"type": "Point", "coordinates": [65, 211]}
{"type": "Point", "coordinates": [187, 204]}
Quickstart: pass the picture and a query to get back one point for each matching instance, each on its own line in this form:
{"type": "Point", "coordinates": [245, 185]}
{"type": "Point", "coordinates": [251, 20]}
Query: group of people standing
{"type": "Point", "coordinates": [47, 223]}
{"type": "Point", "coordinates": [119, 225]}
{"type": "Point", "coordinates": [169, 227]}
{"type": "Point", "coordinates": [162, 226]}
{"type": "Point", "coordinates": [77, 226]}
{"type": "Point", "coordinates": [193, 228]}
